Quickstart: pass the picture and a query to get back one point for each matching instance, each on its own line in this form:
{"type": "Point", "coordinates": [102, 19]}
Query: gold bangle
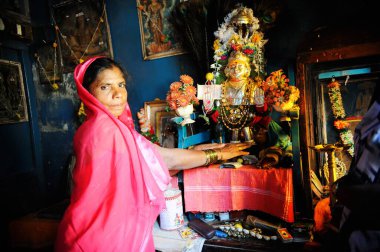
{"type": "Point", "coordinates": [211, 156]}
{"type": "Point", "coordinates": [207, 157]}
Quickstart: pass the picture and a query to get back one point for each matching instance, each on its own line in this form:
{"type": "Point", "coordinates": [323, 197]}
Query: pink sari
{"type": "Point", "coordinates": [119, 180]}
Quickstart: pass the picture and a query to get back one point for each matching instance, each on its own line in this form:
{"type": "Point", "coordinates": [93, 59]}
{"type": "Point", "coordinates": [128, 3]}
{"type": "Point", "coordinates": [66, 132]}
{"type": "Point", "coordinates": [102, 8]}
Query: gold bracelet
{"type": "Point", "coordinates": [211, 156]}
{"type": "Point", "coordinates": [207, 157]}
{"type": "Point", "coordinates": [207, 152]}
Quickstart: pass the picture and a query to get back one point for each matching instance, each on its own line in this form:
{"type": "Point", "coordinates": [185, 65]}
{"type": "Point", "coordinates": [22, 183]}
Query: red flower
{"type": "Point", "coordinates": [248, 51]}
{"type": "Point", "coordinates": [236, 47]}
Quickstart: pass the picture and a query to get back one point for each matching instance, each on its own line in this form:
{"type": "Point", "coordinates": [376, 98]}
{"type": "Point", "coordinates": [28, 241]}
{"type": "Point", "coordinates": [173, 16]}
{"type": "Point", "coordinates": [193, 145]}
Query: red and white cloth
{"type": "Point", "coordinates": [218, 190]}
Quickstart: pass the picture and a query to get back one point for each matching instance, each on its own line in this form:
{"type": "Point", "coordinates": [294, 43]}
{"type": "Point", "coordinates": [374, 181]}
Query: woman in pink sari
{"type": "Point", "coordinates": [119, 176]}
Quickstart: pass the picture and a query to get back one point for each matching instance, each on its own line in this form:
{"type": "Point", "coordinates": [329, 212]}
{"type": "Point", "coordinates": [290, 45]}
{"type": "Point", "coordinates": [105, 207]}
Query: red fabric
{"type": "Point", "coordinates": [219, 190]}
{"type": "Point", "coordinates": [215, 116]}
{"type": "Point", "coordinates": [119, 181]}
{"type": "Point", "coordinates": [322, 215]}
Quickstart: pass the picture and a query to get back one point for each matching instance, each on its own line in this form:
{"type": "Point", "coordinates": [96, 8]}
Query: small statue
{"type": "Point", "coordinates": [239, 53]}
{"type": "Point", "coordinates": [239, 93]}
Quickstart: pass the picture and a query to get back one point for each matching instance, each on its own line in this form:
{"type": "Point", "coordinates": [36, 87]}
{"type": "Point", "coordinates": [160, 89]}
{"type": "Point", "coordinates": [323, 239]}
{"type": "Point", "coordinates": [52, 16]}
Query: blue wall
{"type": "Point", "coordinates": [147, 79]}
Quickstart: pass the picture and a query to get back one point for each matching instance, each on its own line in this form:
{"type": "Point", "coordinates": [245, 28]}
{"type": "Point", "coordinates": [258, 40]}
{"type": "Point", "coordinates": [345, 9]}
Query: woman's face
{"type": "Point", "coordinates": [109, 89]}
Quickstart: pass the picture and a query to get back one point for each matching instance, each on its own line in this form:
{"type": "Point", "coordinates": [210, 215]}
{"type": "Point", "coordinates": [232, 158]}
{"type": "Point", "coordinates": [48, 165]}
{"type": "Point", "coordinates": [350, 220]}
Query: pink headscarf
{"type": "Point", "coordinates": [119, 180]}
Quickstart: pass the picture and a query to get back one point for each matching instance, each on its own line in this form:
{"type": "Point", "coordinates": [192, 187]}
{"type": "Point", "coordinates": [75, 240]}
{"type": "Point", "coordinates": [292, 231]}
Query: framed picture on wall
{"type": "Point", "coordinates": [82, 30]}
{"type": "Point", "coordinates": [158, 38]}
{"type": "Point", "coordinates": [151, 108]}
{"type": "Point", "coordinates": [12, 94]}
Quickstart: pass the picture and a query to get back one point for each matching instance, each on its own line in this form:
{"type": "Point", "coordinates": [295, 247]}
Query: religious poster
{"type": "Point", "coordinates": [158, 38]}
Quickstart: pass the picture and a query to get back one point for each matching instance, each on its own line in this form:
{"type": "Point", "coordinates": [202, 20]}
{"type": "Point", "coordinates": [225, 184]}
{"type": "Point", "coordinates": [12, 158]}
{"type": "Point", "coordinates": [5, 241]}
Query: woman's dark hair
{"type": "Point", "coordinates": [98, 66]}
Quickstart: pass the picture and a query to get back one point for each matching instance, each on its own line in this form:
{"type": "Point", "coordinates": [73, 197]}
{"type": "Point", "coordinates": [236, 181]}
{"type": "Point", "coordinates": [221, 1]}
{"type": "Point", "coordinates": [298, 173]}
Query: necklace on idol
{"type": "Point", "coordinates": [236, 116]}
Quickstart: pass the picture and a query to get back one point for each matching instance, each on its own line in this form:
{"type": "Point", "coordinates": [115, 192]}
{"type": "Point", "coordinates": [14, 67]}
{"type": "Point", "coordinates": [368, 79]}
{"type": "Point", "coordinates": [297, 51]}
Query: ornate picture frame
{"type": "Point", "coordinates": [83, 31]}
{"type": "Point", "coordinates": [13, 106]}
{"type": "Point", "coordinates": [158, 38]}
{"type": "Point", "coordinates": [151, 108]}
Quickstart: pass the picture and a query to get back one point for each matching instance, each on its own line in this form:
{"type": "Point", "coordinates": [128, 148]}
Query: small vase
{"type": "Point", "coordinates": [185, 113]}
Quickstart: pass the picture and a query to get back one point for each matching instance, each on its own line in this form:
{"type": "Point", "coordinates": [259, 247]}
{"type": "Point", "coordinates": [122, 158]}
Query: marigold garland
{"type": "Point", "coordinates": [336, 100]}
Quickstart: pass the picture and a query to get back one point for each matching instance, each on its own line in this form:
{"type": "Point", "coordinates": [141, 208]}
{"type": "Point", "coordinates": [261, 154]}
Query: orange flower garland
{"type": "Point", "coordinates": [182, 93]}
{"type": "Point", "coordinates": [339, 113]}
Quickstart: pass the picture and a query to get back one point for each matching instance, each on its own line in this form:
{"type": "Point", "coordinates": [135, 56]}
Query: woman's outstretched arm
{"type": "Point", "coordinates": [181, 159]}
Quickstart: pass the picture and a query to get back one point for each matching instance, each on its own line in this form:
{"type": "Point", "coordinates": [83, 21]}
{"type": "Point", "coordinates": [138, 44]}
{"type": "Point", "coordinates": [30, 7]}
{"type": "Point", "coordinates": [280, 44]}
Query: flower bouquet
{"type": "Point", "coordinates": [278, 93]}
{"type": "Point", "coordinates": [181, 98]}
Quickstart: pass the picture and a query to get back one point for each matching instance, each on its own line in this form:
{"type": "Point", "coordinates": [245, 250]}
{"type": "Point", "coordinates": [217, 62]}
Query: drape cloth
{"type": "Point", "coordinates": [119, 180]}
{"type": "Point", "coordinates": [218, 190]}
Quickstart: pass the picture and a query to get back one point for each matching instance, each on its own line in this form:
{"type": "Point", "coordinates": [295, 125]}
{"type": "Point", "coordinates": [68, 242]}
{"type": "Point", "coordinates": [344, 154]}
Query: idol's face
{"type": "Point", "coordinates": [238, 70]}
{"type": "Point", "coordinates": [109, 88]}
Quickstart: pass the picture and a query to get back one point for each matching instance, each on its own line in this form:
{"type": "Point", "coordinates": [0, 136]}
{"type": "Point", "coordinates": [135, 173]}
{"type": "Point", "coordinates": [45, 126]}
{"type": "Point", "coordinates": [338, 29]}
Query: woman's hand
{"type": "Point", "coordinates": [233, 150]}
{"type": "Point", "coordinates": [209, 146]}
